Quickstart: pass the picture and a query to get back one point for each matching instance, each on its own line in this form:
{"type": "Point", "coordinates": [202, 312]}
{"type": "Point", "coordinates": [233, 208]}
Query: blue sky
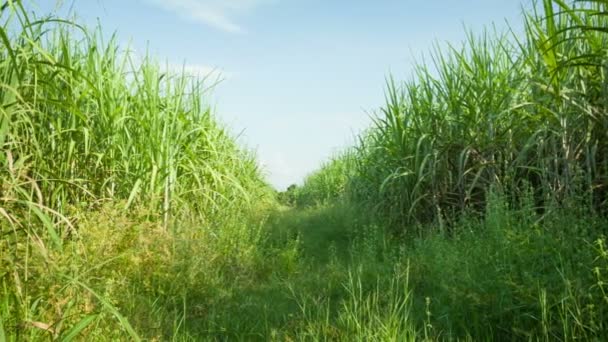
{"type": "Point", "coordinates": [300, 77]}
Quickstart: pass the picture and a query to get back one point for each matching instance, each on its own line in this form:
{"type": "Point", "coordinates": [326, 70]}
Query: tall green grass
{"type": "Point", "coordinates": [491, 167]}
{"type": "Point", "coordinates": [507, 111]}
{"type": "Point", "coordinates": [117, 185]}
{"type": "Point", "coordinates": [85, 120]}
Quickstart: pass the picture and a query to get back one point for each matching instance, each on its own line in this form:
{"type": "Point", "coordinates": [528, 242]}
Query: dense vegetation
{"type": "Point", "coordinates": [491, 168]}
{"type": "Point", "coordinates": [115, 181]}
{"type": "Point", "coordinates": [473, 209]}
{"type": "Point", "coordinates": [502, 111]}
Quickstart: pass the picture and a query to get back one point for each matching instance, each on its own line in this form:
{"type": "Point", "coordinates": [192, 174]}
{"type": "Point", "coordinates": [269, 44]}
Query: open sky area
{"type": "Point", "coordinates": [300, 77]}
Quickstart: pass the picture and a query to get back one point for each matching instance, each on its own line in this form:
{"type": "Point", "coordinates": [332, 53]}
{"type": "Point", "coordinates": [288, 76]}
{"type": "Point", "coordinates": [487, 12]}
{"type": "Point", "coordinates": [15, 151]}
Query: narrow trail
{"type": "Point", "coordinates": [316, 260]}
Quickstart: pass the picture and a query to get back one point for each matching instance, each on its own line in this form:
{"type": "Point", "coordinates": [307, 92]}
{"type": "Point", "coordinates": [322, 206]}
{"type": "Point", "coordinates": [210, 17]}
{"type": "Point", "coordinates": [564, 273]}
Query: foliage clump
{"type": "Point", "coordinates": [504, 111]}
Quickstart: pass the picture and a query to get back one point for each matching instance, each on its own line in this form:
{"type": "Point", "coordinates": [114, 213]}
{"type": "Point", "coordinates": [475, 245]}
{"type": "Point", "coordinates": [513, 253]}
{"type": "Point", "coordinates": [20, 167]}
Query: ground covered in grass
{"type": "Point", "coordinates": [322, 273]}
{"type": "Point", "coordinates": [510, 274]}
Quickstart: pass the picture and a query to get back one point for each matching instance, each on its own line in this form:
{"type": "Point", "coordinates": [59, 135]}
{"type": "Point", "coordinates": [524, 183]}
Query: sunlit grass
{"type": "Point", "coordinates": [85, 124]}
{"type": "Point", "coordinates": [504, 111]}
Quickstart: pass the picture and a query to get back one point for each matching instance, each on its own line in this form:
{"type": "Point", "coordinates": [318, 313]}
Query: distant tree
{"type": "Point", "coordinates": [288, 197]}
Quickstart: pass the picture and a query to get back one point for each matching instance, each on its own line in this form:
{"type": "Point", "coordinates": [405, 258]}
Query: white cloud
{"type": "Point", "coordinates": [214, 13]}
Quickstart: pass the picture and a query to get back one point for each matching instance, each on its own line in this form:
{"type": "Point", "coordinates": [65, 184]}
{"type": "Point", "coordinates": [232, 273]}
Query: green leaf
{"type": "Point", "coordinates": [4, 38]}
{"type": "Point", "coordinates": [133, 193]}
{"type": "Point", "coordinates": [123, 321]}
{"type": "Point", "coordinates": [77, 328]}
{"type": "Point", "coordinates": [2, 333]}
{"type": "Point", "coordinates": [48, 224]}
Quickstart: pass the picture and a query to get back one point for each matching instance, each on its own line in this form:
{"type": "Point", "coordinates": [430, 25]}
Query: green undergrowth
{"type": "Point", "coordinates": [511, 274]}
